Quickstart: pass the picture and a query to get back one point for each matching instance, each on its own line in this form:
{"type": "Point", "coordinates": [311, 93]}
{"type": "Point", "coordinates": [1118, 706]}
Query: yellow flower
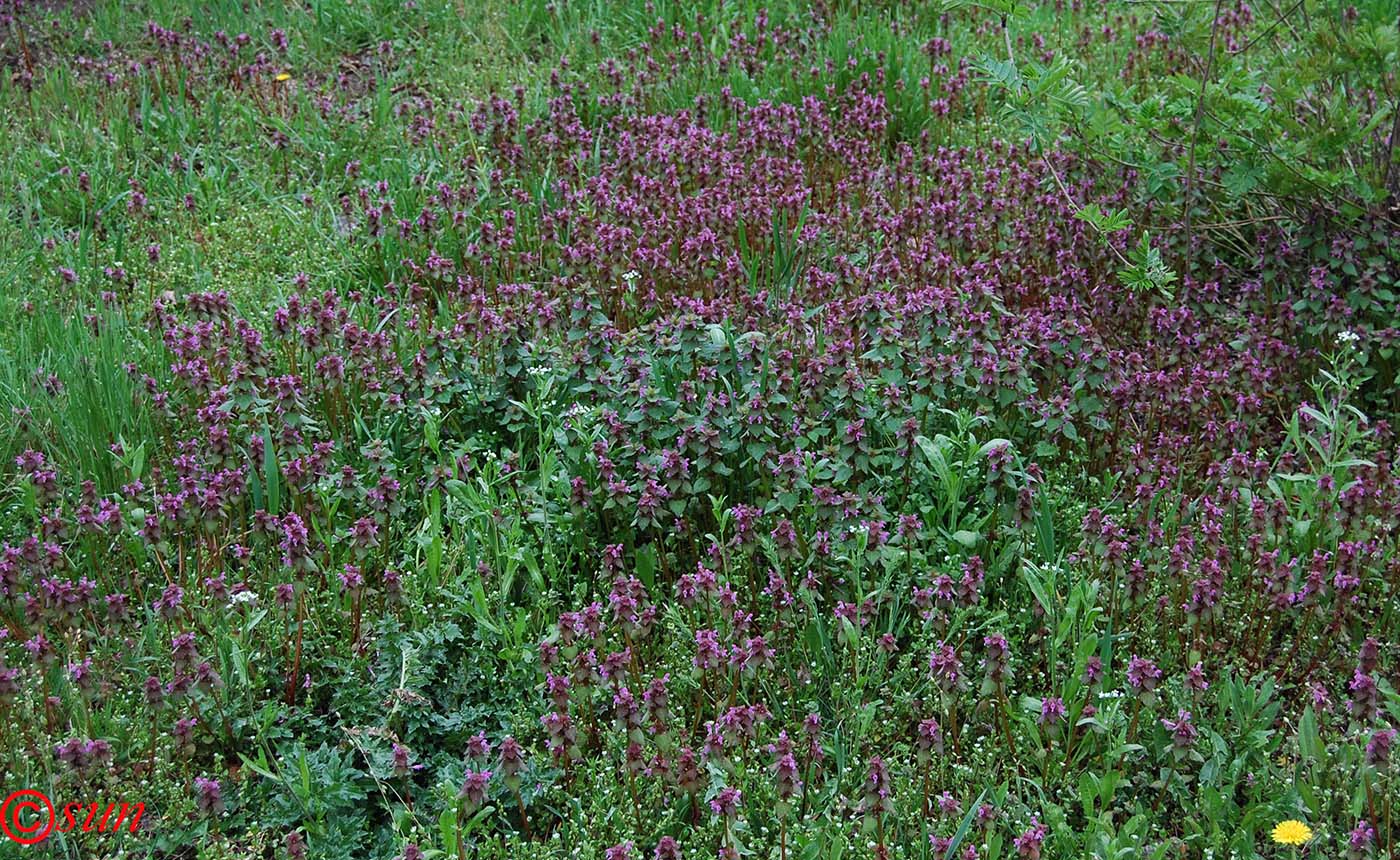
{"type": "Point", "coordinates": [282, 77]}
{"type": "Point", "coordinates": [1291, 832]}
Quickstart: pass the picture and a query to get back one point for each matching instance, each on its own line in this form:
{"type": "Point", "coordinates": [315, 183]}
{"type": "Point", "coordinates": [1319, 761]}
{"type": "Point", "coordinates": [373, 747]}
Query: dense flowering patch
{"type": "Point", "coordinates": [690, 470]}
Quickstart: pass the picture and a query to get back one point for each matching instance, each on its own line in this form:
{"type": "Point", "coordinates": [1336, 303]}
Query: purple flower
{"type": "Point", "coordinates": [1182, 731]}
{"type": "Point", "coordinates": [945, 667]}
{"type": "Point", "coordinates": [208, 796]}
{"type": "Point", "coordinates": [512, 760]}
{"type": "Point", "coordinates": [1143, 677]}
{"type": "Point", "coordinates": [473, 789]}
{"type": "Point", "coordinates": [1196, 679]}
{"type": "Point", "coordinates": [667, 849]}
{"type": "Point", "coordinates": [1365, 699]}
{"type": "Point", "coordinates": [928, 739]}
{"type": "Point", "coordinates": [1359, 843]}
{"type": "Point", "coordinates": [72, 752]}
{"type": "Point", "coordinates": [1029, 842]}
{"type": "Point", "coordinates": [478, 747]}
{"type": "Point", "coordinates": [727, 802]}
{"type": "Point", "coordinates": [183, 735]}
{"type": "Point", "coordinates": [996, 662]}
{"type": "Point", "coordinates": [401, 757]}
{"type": "Point", "coordinates": [1052, 711]}
{"type": "Point", "coordinates": [1379, 746]}
{"type": "Point", "coordinates": [876, 799]}
{"type": "Point", "coordinates": [948, 805]}
{"type": "Point", "coordinates": [1368, 659]}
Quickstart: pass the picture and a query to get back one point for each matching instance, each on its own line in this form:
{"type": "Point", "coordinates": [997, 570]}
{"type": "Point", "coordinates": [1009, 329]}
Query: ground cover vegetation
{"type": "Point", "coordinates": [697, 428]}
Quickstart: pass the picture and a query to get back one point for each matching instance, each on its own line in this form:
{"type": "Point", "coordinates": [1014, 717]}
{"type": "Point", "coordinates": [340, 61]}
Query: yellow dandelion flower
{"type": "Point", "coordinates": [1291, 832]}
{"type": "Point", "coordinates": [282, 77]}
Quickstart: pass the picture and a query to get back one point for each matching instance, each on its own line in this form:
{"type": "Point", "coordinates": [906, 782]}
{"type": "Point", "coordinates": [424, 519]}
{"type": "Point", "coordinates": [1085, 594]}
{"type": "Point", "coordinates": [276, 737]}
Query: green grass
{"type": "Point", "coordinates": [95, 404]}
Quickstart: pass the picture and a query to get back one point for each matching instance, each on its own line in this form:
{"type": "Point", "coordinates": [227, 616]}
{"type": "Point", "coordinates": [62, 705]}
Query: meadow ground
{"type": "Point", "coordinates": [695, 428]}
